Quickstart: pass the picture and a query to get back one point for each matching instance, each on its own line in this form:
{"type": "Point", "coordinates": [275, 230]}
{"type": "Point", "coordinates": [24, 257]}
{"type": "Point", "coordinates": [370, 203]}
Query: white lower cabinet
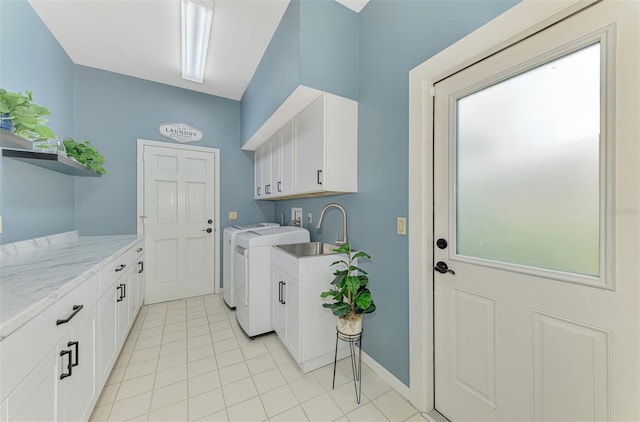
{"type": "Point", "coordinates": [35, 397]}
{"type": "Point", "coordinates": [83, 332]}
{"type": "Point", "coordinates": [77, 381]}
{"type": "Point", "coordinates": [108, 329]}
{"type": "Point", "coordinates": [285, 312]}
{"type": "Point", "coordinates": [307, 330]}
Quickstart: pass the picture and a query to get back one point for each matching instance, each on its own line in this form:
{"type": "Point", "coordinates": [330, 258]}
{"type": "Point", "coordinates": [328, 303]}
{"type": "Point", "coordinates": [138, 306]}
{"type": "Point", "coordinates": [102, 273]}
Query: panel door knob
{"type": "Point", "coordinates": [208, 230]}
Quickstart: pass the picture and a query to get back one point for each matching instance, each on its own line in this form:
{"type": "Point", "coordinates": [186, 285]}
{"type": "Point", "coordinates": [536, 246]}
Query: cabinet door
{"type": "Point", "coordinates": [76, 392]}
{"type": "Point", "coordinates": [308, 148]}
{"type": "Point", "coordinates": [266, 170]}
{"type": "Point", "coordinates": [275, 164]}
{"type": "Point", "coordinates": [285, 181]}
{"type": "Point", "coordinates": [257, 174]}
{"type": "Point", "coordinates": [141, 280]}
{"type": "Point", "coordinates": [107, 334]}
{"type": "Point", "coordinates": [278, 307]}
{"type": "Point", "coordinates": [122, 308]}
{"type": "Point", "coordinates": [132, 293]}
{"type": "Point", "coordinates": [35, 398]}
{"type": "Point", "coordinates": [292, 318]}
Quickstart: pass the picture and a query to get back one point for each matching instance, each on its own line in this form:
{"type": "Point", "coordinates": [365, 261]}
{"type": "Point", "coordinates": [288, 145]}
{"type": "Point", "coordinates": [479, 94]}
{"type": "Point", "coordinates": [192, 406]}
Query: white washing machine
{"type": "Point", "coordinates": [252, 274]}
{"type": "Point", "coordinates": [229, 242]}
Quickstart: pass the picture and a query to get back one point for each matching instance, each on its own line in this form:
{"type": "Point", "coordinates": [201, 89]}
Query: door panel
{"type": "Point", "coordinates": [536, 190]}
{"type": "Point", "coordinates": [179, 203]}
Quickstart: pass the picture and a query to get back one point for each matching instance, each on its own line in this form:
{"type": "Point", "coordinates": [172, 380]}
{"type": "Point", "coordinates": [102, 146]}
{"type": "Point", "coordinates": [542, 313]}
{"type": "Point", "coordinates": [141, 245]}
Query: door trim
{"type": "Point", "coordinates": [516, 24]}
{"type": "Point", "coordinates": [140, 194]}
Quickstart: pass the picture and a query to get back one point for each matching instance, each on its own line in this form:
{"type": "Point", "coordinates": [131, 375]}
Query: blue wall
{"type": "Point", "coordinates": [316, 45]}
{"type": "Point", "coordinates": [113, 111]}
{"type": "Point", "coordinates": [277, 75]}
{"type": "Point", "coordinates": [34, 201]}
{"type": "Point", "coordinates": [395, 36]}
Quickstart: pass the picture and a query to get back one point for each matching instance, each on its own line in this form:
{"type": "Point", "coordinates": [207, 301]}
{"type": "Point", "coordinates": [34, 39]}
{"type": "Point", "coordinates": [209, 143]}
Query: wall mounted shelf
{"type": "Point", "coordinates": [10, 140]}
{"type": "Point", "coordinates": [55, 162]}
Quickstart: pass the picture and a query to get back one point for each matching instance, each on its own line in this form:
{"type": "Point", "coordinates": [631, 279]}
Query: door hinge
{"type": "Point", "coordinates": [433, 91]}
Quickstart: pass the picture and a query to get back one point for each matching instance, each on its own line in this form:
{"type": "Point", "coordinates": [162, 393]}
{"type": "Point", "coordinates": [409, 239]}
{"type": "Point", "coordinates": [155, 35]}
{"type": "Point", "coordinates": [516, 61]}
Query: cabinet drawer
{"type": "Point", "coordinates": [24, 348]}
{"type": "Point", "coordinates": [118, 266]}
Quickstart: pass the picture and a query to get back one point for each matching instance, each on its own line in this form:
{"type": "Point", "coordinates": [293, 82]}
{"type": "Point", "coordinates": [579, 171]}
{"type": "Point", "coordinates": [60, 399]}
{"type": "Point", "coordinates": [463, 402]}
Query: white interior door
{"type": "Point", "coordinates": [179, 193]}
{"type": "Point", "coordinates": [536, 193]}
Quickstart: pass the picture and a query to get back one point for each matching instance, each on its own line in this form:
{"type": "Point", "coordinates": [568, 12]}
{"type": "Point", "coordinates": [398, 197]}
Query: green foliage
{"type": "Point", "coordinates": [350, 293]}
{"type": "Point", "coordinates": [25, 115]}
{"type": "Point", "coordinates": [86, 154]}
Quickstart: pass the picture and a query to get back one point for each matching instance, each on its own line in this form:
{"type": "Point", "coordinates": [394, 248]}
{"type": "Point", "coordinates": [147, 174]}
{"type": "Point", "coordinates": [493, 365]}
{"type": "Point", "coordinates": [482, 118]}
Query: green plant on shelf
{"type": "Point", "coordinates": [24, 115]}
{"type": "Point", "coordinates": [86, 154]}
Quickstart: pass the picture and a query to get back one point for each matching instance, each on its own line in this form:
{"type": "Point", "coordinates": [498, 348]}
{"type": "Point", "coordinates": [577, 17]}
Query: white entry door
{"type": "Point", "coordinates": [179, 193]}
{"type": "Point", "coordinates": [536, 187]}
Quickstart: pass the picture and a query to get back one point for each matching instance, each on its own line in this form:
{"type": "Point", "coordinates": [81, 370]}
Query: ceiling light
{"type": "Point", "coordinates": [197, 16]}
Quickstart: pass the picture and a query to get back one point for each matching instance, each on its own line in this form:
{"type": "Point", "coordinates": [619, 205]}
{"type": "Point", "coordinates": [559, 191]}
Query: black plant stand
{"type": "Point", "coordinates": [356, 362]}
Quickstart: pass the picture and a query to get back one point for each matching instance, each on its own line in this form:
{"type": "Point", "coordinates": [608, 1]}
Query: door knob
{"type": "Point", "coordinates": [443, 268]}
{"type": "Point", "coordinates": [208, 230]}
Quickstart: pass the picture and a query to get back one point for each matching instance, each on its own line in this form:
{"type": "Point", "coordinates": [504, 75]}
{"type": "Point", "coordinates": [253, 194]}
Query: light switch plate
{"type": "Point", "coordinates": [233, 215]}
{"type": "Point", "coordinates": [402, 226]}
{"type": "Point", "coordinates": [309, 218]}
{"type": "Point", "coordinates": [0, 224]}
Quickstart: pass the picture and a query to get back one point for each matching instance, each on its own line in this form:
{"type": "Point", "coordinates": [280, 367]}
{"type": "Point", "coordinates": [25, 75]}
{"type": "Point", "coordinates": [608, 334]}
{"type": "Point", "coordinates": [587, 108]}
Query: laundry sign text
{"type": "Point", "coordinates": [180, 132]}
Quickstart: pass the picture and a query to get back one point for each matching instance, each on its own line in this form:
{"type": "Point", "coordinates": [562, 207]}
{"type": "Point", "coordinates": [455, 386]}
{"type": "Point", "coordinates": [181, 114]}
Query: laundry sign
{"type": "Point", "coordinates": [180, 132]}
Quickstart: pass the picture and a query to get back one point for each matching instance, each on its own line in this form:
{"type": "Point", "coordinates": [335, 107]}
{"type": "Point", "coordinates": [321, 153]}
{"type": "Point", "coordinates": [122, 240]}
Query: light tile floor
{"type": "Point", "coordinates": [189, 360]}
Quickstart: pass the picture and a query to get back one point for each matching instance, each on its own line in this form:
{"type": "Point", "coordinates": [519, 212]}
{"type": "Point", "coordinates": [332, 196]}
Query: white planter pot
{"type": "Point", "coordinates": [350, 325]}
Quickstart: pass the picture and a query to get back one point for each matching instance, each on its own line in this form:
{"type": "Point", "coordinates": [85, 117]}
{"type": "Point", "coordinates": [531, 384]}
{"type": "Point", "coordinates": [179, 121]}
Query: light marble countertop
{"type": "Point", "coordinates": [36, 273]}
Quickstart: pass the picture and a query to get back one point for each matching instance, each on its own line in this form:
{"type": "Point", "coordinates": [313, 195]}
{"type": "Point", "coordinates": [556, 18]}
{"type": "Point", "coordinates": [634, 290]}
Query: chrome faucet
{"type": "Point", "coordinates": [344, 221]}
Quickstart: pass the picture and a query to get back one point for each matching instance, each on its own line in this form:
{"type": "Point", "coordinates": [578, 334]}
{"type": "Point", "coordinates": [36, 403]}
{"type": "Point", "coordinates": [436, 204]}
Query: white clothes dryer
{"type": "Point", "coordinates": [252, 273]}
{"type": "Point", "coordinates": [229, 242]}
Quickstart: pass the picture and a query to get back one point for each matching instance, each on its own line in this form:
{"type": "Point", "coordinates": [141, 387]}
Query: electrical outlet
{"type": "Point", "coordinates": [309, 218]}
{"type": "Point", "coordinates": [233, 215]}
{"type": "Point", "coordinates": [402, 226]}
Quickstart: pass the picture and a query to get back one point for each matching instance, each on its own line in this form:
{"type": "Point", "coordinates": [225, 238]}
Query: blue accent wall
{"type": "Point", "coordinates": [34, 201]}
{"type": "Point", "coordinates": [394, 37]}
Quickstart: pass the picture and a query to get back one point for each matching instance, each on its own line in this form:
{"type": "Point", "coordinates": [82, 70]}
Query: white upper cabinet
{"type": "Point", "coordinates": [316, 153]}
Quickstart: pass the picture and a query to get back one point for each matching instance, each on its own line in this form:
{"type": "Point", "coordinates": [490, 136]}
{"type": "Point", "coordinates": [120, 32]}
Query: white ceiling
{"type": "Point", "coordinates": [141, 38]}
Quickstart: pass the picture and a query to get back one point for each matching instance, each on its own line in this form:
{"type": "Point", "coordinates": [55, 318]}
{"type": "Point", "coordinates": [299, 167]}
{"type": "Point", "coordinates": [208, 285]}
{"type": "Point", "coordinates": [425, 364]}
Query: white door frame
{"type": "Point", "coordinates": [519, 22]}
{"type": "Point", "coordinates": [140, 194]}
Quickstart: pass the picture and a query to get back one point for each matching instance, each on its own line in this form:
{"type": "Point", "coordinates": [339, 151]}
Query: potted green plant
{"type": "Point", "coordinates": [23, 117]}
{"type": "Point", "coordinates": [351, 298]}
{"type": "Point", "coordinates": [86, 154]}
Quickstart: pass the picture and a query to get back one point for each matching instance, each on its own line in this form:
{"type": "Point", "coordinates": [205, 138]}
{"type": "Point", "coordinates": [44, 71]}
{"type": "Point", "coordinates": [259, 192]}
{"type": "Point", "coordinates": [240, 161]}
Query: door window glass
{"type": "Point", "coordinates": [528, 167]}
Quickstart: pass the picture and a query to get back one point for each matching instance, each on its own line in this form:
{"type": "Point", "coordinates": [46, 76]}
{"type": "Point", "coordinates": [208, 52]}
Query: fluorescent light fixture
{"type": "Point", "coordinates": [197, 16]}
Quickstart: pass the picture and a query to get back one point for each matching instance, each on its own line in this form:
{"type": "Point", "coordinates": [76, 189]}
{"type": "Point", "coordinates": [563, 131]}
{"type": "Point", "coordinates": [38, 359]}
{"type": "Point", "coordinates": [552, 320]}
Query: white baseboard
{"type": "Point", "coordinates": [386, 376]}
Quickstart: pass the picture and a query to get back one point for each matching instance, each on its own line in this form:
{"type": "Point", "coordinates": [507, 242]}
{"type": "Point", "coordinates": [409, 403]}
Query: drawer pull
{"type": "Point", "coordinates": [121, 267]}
{"type": "Point", "coordinates": [141, 263]}
{"type": "Point", "coordinates": [76, 309]}
{"type": "Point", "coordinates": [318, 177]}
{"type": "Point", "coordinates": [69, 365]}
{"type": "Point", "coordinates": [120, 297]}
{"type": "Point", "coordinates": [139, 250]}
{"type": "Point", "coordinates": [74, 344]}
{"type": "Point", "coordinates": [124, 291]}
